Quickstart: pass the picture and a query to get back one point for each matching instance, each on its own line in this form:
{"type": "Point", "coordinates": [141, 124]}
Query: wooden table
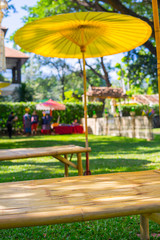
{"type": "Point", "coordinates": [68, 129]}
{"type": "Point", "coordinates": [58, 152]}
{"type": "Point", "coordinates": [74, 199]}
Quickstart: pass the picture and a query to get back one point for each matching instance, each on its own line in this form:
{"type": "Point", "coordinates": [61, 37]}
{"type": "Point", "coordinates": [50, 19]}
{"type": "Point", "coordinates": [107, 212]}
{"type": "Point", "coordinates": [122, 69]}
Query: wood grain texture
{"type": "Point", "coordinates": [155, 217]}
{"type": "Point", "coordinates": [79, 164]}
{"type": "Point", "coordinates": [19, 153]}
{"type": "Point", "coordinates": [61, 200]}
{"type": "Point", "coordinates": [144, 227]}
{"type": "Point", "coordinates": [65, 161]}
{"type": "Point", "coordinates": [66, 167]}
{"type": "Point", "coordinates": [56, 152]}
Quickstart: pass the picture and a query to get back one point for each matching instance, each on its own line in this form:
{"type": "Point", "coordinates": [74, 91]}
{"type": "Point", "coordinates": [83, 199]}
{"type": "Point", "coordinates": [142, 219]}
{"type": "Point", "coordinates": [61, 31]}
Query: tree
{"type": "Point", "coordinates": [10, 8]}
{"type": "Point", "coordinates": [139, 71]}
{"type": "Point", "coordinates": [59, 78]}
{"type": "Point", "coordinates": [104, 74]}
{"type": "Point", "coordinates": [45, 86]}
{"type": "Point", "coordinates": [60, 69]}
{"type": "Point", "coordinates": [2, 78]}
{"type": "Point", "coordinates": [74, 81]}
{"type": "Point", "coordinates": [23, 93]}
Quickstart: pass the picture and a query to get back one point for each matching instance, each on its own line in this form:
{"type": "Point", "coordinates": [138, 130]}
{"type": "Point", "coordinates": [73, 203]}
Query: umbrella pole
{"type": "Point", "coordinates": [85, 112]}
{"type": "Point", "coordinates": [157, 37]}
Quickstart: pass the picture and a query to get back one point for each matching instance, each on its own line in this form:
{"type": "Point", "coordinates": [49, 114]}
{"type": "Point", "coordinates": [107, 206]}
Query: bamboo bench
{"type": "Point", "coordinates": [75, 199]}
{"type": "Point", "coordinates": [58, 152]}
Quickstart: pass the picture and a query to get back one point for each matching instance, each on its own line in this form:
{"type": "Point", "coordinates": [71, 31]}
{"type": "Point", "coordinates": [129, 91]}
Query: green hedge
{"type": "Point", "coordinates": [138, 109]}
{"type": "Point", "coordinates": [73, 111]}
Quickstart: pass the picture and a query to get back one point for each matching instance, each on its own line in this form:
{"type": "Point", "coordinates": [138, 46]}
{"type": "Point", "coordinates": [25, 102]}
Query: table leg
{"type": "Point", "coordinates": [66, 167]}
{"type": "Point", "coordinates": [144, 227]}
{"type": "Point", "coordinates": [79, 164]}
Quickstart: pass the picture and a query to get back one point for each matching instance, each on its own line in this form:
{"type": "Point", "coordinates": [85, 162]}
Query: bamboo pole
{"type": "Point", "coordinates": [155, 217]}
{"type": "Point", "coordinates": [85, 110]}
{"type": "Point", "coordinates": [85, 99]}
{"type": "Point", "coordinates": [65, 161]}
{"type": "Point", "coordinates": [79, 163]}
{"type": "Point", "coordinates": [144, 227]}
{"type": "Point", "coordinates": [66, 166]}
{"type": "Point", "coordinates": [157, 37]}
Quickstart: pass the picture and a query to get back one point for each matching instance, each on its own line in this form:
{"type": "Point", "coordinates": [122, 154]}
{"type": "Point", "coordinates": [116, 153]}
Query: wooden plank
{"type": "Point", "coordinates": [50, 201]}
{"type": "Point", "coordinates": [65, 161]}
{"type": "Point", "coordinates": [19, 153]}
{"type": "Point", "coordinates": [144, 227]}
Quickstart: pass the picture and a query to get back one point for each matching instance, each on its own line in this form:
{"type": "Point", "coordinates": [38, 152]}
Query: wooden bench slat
{"type": "Point", "coordinates": [19, 153]}
{"type": "Point", "coordinates": [56, 152]}
{"type": "Point", "coordinates": [49, 201]}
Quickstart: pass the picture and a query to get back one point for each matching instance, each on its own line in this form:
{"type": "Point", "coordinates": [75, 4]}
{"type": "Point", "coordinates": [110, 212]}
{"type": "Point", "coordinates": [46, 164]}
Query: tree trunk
{"type": "Point", "coordinates": [105, 76]}
{"type": "Point", "coordinates": [62, 82]}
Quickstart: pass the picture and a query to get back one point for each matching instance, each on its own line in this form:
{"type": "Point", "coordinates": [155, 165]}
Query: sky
{"type": "Point", "coordinates": [14, 21]}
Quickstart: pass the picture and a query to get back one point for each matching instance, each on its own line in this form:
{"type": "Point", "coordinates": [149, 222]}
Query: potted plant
{"type": "Point", "coordinates": [132, 112]}
{"type": "Point", "coordinates": [94, 114]}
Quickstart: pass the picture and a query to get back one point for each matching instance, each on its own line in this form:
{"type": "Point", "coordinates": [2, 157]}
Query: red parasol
{"type": "Point", "coordinates": [54, 105]}
{"type": "Point", "coordinates": [50, 105]}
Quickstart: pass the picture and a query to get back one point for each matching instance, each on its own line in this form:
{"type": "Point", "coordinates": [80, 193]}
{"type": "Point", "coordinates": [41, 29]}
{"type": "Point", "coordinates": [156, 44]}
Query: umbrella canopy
{"type": "Point", "coordinates": [83, 35]}
{"type": "Point", "coordinates": [50, 105]}
{"type": "Point", "coordinates": [42, 107]}
{"type": "Point", "coordinates": [100, 33]}
{"type": "Point", "coordinates": [3, 85]}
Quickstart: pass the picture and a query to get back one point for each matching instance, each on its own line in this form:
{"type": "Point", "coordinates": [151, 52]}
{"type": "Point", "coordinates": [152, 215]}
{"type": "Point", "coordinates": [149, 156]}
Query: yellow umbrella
{"type": "Point", "coordinates": [3, 85]}
{"type": "Point", "coordinates": [83, 35]}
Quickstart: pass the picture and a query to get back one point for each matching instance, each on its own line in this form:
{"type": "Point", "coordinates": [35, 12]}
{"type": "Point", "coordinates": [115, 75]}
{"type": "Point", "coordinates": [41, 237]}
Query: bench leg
{"type": "Point", "coordinates": [144, 227]}
{"type": "Point", "coordinates": [79, 164]}
{"type": "Point", "coordinates": [66, 167]}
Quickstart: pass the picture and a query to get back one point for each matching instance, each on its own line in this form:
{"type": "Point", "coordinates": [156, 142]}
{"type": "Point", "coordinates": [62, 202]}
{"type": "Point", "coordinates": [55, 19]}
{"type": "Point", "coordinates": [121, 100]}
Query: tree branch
{"type": "Point", "coordinates": [105, 73]}
{"type": "Point", "coordinates": [105, 76]}
{"type": "Point", "coordinates": [95, 72]}
{"type": "Point", "coordinates": [150, 47]}
{"type": "Point", "coordinates": [117, 5]}
{"type": "Point", "coordinates": [81, 70]}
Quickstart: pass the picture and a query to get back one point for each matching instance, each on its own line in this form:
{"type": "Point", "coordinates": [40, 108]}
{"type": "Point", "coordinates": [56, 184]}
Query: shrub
{"type": "Point", "coordinates": [126, 109]}
{"type": "Point", "coordinates": [73, 111]}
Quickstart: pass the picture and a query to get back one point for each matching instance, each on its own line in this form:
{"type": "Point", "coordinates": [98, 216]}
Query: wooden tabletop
{"type": "Point", "coordinates": [18, 153]}
{"type": "Point", "coordinates": [50, 201]}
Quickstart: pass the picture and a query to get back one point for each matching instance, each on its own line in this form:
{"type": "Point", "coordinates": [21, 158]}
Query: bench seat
{"type": "Point", "coordinates": [58, 152]}
{"type": "Point", "coordinates": [64, 200]}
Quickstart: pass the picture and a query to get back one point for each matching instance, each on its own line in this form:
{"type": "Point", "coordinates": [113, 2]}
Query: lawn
{"type": "Point", "coordinates": [109, 154]}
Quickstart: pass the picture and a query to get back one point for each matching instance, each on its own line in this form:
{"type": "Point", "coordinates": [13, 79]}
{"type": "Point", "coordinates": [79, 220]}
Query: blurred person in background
{"type": "Point", "coordinates": [10, 121]}
{"type": "Point", "coordinates": [34, 122]}
{"type": "Point", "coordinates": [27, 122]}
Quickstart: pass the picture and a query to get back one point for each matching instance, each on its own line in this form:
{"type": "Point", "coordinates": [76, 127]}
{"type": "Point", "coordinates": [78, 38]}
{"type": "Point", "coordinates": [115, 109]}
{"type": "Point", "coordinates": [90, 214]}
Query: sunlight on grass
{"type": "Point", "coordinates": [108, 155]}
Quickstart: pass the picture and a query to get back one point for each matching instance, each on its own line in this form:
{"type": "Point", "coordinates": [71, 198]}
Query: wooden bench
{"type": "Point", "coordinates": [75, 199]}
{"type": "Point", "coordinates": [58, 152]}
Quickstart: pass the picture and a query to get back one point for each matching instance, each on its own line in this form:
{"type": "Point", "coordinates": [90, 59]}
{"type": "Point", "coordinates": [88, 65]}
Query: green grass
{"type": "Point", "coordinates": [109, 154]}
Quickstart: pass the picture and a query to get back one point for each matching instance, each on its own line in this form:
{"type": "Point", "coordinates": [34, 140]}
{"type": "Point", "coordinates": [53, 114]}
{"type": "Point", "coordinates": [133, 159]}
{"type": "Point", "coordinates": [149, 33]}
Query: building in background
{"type": "Point", "coordinates": [14, 61]}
